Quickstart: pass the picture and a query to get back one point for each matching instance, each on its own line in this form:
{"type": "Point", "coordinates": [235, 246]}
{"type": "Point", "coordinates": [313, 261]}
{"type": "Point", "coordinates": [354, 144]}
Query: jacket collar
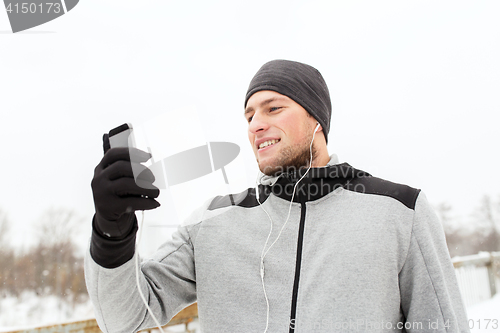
{"type": "Point", "coordinates": [270, 180]}
{"type": "Point", "coordinates": [317, 183]}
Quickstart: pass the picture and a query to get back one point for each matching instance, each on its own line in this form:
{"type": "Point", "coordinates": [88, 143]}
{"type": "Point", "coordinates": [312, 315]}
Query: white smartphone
{"type": "Point", "coordinates": [122, 136]}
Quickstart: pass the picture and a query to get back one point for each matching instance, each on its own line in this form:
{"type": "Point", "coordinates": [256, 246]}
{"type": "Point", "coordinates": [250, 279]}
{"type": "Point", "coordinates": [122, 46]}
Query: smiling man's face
{"type": "Point", "coordinates": [280, 132]}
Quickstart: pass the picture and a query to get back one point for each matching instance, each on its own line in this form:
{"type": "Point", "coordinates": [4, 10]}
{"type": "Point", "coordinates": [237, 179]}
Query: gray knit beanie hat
{"type": "Point", "coordinates": [300, 82]}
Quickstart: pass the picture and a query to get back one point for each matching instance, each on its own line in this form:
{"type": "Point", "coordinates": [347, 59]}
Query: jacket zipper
{"type": "Point", "coordinates": [297, 266]}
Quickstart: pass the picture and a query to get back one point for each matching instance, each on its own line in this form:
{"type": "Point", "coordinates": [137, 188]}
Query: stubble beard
{"type": "Point", "coordinates": [291, 159]}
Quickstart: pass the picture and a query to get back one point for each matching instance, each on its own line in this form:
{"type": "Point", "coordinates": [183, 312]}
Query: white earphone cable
{"type": "Point", "coordinates": [157, 323]}
{"type": "Point", "coordinates": [263, 254]}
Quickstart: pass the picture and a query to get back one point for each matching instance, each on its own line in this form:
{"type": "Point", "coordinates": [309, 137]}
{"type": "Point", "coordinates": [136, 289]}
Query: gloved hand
{"type": "Point", "coordinates": [117, 195]}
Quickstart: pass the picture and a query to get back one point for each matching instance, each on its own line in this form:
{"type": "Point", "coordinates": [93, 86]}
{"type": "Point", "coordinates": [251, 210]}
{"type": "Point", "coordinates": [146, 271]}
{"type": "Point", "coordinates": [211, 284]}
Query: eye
{"type": "Point", "coordinates": [249, 119]}
{"type": "Point", "coordinates": [275, 108]}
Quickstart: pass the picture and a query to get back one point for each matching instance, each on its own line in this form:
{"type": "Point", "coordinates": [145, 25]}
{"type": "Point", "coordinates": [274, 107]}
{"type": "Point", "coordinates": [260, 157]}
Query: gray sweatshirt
{"type": "Point", "coordinates": [358, 254]}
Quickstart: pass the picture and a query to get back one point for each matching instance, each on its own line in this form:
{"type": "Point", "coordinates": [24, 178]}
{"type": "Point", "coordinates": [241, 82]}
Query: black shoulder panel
{"type": "Point", "coordinates": [371, 185]}
{"type": "Point", "coordinates": [245, 199]}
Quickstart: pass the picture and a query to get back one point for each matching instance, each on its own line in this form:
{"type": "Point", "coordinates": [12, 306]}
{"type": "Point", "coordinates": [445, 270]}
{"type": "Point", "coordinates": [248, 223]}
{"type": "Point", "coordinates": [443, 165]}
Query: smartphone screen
{"type": "Point", "coordinates": [121, 136]}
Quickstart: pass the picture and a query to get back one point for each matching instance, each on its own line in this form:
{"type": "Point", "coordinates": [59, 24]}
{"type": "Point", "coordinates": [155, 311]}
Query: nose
{"type": "Point", "coordinates": [258, 123]}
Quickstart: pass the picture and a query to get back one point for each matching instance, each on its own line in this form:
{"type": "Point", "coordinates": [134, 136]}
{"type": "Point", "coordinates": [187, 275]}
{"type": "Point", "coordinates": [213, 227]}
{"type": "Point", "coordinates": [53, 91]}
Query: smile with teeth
{"type": "Point", "coordinates": [268, 143]}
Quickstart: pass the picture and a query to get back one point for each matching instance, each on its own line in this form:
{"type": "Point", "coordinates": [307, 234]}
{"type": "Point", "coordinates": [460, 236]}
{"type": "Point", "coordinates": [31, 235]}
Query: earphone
{"type": "Point", "coordinates": [264, 253]}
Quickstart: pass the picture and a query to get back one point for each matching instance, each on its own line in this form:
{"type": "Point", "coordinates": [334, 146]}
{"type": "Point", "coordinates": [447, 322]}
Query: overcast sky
{"type": "Point", "coordinates": [414, 86]}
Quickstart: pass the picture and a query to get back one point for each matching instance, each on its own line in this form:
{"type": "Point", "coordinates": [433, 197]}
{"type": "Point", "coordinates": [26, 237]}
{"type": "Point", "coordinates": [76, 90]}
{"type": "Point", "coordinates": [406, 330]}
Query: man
{"type": "Point", "coordinates": [318, 246]}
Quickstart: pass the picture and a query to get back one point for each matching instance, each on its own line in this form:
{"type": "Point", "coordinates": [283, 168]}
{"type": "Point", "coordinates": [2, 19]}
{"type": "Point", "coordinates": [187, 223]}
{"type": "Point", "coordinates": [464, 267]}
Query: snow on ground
{"type": "Point", "coordinates": [29, 310]}
{"type": "Point", "coordinates": [485, 317]}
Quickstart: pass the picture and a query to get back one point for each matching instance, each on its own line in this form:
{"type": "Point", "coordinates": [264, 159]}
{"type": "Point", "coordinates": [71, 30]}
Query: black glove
{"type": "Point", "coordinates": [117, 195]}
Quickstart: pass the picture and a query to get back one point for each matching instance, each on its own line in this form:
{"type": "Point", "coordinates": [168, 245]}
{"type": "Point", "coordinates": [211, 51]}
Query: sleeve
{"type": "Point", "coordinates": [430, 298]}
{"type": "Point", "coordinates": [167, 281]}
